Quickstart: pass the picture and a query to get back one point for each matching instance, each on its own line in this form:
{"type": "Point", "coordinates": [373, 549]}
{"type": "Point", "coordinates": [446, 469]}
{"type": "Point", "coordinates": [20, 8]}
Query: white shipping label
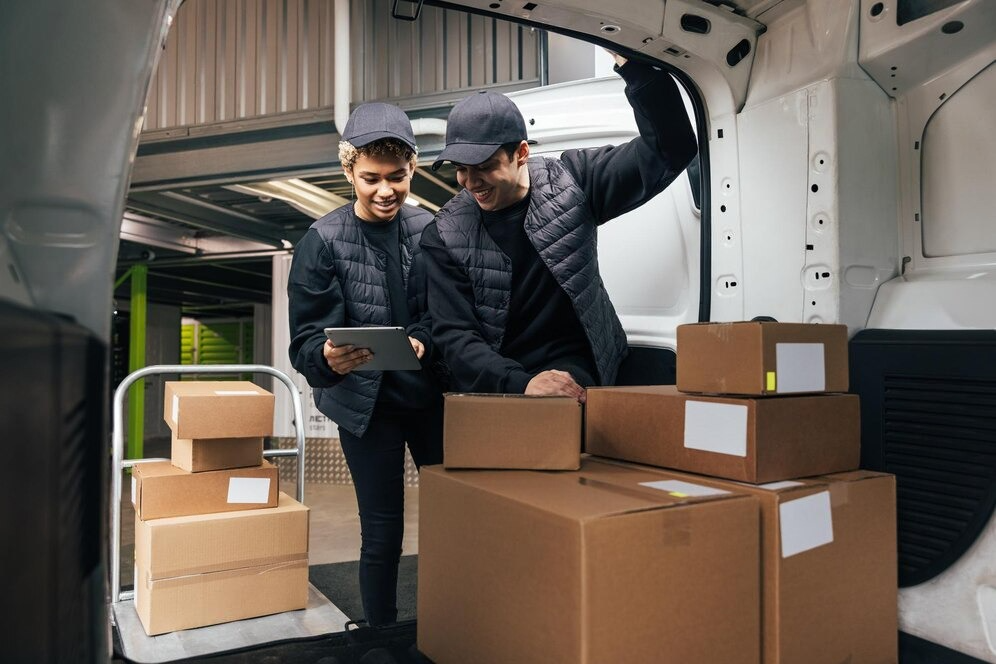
{"type": "Point", "coordinates": [775, 486]}
{"type": "Point", "coordinates": [716, 427]}
{"type": "Point", "coordinates": [133, 491]}
{"type": "Point", "coordinates": [248, 489]}
{"type": "Point", "coordinates": [681, 489]}
{"type": "Point", "coordinates": [235, 393]}
{"type": "Point", "coordinates": [176, 407]}
{"type": "Point", "coordinates": [800, 368]}
{"type": "Point", "coordinates": [806, 523]}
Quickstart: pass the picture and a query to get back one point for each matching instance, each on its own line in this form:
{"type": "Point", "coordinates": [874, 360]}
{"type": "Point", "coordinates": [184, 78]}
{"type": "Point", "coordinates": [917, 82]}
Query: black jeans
{"type": "Point", "coordinates": [377, 463]}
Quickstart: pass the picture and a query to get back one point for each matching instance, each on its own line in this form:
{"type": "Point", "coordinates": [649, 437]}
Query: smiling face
{"type": "Point", "coordinates": [500, 181]}
{"type": "Point", "coordinates": [382, 183]}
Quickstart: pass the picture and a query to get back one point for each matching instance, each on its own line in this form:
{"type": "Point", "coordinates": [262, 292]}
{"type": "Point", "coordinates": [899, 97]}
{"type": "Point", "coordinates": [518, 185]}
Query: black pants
{"type": "Point", "coordinates": [377, 463]}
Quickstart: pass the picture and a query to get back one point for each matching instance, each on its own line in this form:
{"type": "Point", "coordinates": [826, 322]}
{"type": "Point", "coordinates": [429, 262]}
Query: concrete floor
{"type": "Point", "coordinates": [335, 525]}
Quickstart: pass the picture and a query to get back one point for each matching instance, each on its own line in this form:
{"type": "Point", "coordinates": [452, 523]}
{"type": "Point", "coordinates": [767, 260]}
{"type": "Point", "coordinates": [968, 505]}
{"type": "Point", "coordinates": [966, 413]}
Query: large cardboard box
{"type": "Point", "coordinates": [829, 579]}
{"type": "Point", "coordinates": [159, 490]}
{"type": "Point", "coordinates": [218, 409]}
{"type": "Point", "coordinates": [755, 358]}
{"type": "Point", "coordinates": [511, 431]}
{"type": "Point", "coordinates": [585, 567]}
{"type": "Point", "coordinates": [196, 455]}
{"type": "Point", "coordinates": [193, 571]}
{"type": "Point", "coordinates": [738, 438]}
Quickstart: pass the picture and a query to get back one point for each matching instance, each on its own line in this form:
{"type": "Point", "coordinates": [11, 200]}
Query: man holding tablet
{"type": "Point", "coordinates": [359, 267]}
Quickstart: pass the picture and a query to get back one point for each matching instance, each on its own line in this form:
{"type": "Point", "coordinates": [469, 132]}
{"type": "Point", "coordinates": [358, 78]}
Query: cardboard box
{"type": "Point", "coordinates": [748, 439]}
{"type": "Point", "coordinates": [218, 409]}
{"type": "Point", "coordinates": [585, 567]}
{"type": "Point", "coordinates": [511, 431]}
{"type": "Point", "coordinates": [762, 358]}
{"type": "Point", "coordinates": [193, 571]}
{"type": "Point", "coordinates": [159, 490]}
{"type": "Point", "coordinates": [196, 455]}
{"type": "Point", "coordinates": [828, 559]}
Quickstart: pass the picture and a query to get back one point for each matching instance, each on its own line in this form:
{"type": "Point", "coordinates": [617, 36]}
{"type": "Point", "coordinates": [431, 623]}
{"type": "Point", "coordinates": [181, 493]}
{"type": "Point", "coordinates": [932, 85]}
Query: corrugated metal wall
{"type": "Point", "coordinates": [233, 59]}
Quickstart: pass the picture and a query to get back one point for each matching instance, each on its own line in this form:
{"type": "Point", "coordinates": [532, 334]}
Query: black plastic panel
{"type": "Point", "coordinates": [928, 414]}
{"type": "Point", "coordinates": [647, 366]}
{"type": "Point", "coordinates": [911, 10]}
{"type": "Point", "coordinates": [914, 650]}
{"type": "Point", "coordinates": [53, 488]}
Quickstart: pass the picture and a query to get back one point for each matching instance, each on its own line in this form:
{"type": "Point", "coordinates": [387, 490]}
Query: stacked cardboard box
{"type": "Point", "coordinates": [511, 431]}
{"type": "Point", "coordinates": [762, 403]}
{"type": "Point", "coordinates": [215, 539]}
{"type": "Point", "coordinates": [530, 553]}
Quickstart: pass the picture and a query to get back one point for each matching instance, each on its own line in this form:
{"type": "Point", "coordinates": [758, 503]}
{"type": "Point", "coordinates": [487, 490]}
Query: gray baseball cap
{"type": "Point", "coordinates": [374, 121]}
{"type": "Point", "coordinates": [478, 125]}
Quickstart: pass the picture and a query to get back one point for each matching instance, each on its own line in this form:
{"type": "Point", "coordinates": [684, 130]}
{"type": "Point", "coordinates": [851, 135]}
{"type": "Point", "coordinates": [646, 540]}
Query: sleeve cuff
{"type": "Point", "coordinates": [516, 382]}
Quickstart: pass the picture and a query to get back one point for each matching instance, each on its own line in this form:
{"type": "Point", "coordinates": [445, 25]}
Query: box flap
{"type": "Point", "coordinates": [214, 387]}
{"type": "Point", "coordinates": [595, 491]}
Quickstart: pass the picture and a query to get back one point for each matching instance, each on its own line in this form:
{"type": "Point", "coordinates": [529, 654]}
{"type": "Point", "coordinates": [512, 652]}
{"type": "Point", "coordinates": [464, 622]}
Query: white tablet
{"type": "Point", "coordinates": [390, 347]}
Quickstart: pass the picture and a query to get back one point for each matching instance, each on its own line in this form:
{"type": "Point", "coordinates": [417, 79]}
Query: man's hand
{"type": "Point", "coordinates": [343, 359]}
{"type": "Point", "coordinates": [555, 383]}
{"type": "Point", "coordinates": [417, 347]}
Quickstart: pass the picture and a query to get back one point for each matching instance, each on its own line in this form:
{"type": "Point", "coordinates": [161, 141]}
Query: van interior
{"type": "Point", "coordinates": [153, 180]}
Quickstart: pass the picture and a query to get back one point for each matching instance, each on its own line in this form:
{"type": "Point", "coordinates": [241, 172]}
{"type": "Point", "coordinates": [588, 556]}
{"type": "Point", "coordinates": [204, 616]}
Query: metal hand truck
{"type": "Point", "coordinates": [119, 463]}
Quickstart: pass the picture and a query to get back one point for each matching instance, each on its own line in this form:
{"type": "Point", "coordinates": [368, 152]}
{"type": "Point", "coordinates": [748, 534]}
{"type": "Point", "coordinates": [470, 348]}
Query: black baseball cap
{"type": "Point", "coordinates": [478, 125]}
{"type": "Point", "coordinates": [374, 121]}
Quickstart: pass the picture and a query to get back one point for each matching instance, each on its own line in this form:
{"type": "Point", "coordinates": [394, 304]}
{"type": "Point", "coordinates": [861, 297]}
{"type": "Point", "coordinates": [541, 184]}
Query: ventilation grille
{"type": "Point", "coordinates": [939, 438]}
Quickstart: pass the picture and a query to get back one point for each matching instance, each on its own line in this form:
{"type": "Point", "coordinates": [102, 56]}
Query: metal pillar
{"type": "Point", "coordinates": [136, 360]}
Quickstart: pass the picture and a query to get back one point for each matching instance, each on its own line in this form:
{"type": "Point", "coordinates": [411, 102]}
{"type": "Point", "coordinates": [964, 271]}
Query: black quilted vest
{"type": "Point", "coordinates": [560, 226]}
{"type": "Point", "coordinates": [362, 271]}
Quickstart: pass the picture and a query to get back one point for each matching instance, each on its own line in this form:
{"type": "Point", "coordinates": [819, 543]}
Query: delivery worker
{"type": "Point", "coordinates": [360, 266]}
{"type": "Point", "coordinates": [515, 294]}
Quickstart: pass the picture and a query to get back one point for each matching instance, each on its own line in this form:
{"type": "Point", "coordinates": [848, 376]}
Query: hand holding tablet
{"type": "Point", "coordinates": [389, 347]}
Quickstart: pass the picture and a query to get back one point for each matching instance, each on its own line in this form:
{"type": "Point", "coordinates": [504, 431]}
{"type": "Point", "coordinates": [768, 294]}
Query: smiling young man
{"type": "Point", "coordinates": [359, 266]}
{"type": "Point", "coordinates": [515, 294]}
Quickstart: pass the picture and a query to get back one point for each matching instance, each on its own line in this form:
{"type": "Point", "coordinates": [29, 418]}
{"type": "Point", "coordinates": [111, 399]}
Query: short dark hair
{"type": "Point", "coordinates": [510, 148]}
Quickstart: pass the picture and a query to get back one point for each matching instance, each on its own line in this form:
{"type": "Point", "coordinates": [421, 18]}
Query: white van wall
{"type": "Point", "coordinates": [316, 425]}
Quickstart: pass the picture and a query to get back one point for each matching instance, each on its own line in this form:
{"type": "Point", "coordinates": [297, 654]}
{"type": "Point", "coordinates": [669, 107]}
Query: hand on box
{"type": "Point", "coordinates": [343, 359]}
{"type": "Point", "coordinates": [417, 347]}
{"type": "Point", "coordinates": [554, 382]}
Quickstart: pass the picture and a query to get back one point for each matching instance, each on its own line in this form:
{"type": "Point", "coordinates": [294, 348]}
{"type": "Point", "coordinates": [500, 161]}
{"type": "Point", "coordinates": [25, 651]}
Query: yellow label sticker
{"type": "Point", "coordinates": [678, 494]}
{"type": "Point", "coordinates": [770, 386]}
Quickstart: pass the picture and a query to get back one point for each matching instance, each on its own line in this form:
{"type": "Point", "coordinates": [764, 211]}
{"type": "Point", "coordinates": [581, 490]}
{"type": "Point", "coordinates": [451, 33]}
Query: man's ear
{"type": "Point", "coordinates": [522, 153]}
{"type": "Point", "coordinates": [348, 172]}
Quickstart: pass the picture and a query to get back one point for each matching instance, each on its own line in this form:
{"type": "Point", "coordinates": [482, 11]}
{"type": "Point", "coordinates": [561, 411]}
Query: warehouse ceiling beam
{"type": "Point", "coordinates": [207, 216]}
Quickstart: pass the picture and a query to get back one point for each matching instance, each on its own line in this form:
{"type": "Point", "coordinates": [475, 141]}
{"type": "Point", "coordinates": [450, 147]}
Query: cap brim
{"type": "Point", "coordinates": [469, 154]}
{"type": "Point", "coordinates": [370, 137]}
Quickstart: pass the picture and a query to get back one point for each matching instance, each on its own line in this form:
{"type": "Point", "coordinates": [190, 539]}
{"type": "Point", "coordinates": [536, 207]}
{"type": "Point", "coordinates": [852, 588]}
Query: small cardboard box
{"type": "Point", "coordinates": [201, 454]}
{"type": "Point", "coordinates": [828, 560]}
{"type": "Point", "coordinates": [585, 567]}
{"type": "Point", "coordinates": [511, 431]}
{"type": "Point", "coordinates": [740, 438]}
{"type": "Point", "coordinates": [159, 490]}
{"type": "Point", "coordinates": [193, 571]}
{"type": "Point", "coordinates": [754, 358]}
{"type": "Point", "coordinates": [218, 409]}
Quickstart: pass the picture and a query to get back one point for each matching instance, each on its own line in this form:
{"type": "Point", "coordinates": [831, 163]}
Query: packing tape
{"type": "Point", "coordinates": [190, 579]}
{"type": "Point", "coordinates": [840, 494]}
{"type": "Point", "coordinates": [225, 566]}
{"type": "Point", "coordinates": [677, 530]}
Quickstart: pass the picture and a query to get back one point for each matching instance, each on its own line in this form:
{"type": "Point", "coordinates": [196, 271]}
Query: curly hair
{"type": "Point", "coordinates": [386, 147]}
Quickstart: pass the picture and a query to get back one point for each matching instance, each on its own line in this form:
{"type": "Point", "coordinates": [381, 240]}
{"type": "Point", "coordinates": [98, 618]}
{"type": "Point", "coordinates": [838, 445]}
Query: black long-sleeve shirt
{"type": "Point", "coordinates": [317, 301]}
{"type": "Point", "coordinates": [543, 330]}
